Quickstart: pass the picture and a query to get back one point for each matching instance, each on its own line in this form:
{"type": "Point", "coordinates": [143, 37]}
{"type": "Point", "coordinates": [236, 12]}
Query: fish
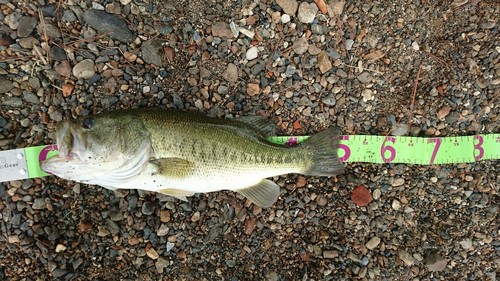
{"type": "Point", "coordinates": [180, 153]}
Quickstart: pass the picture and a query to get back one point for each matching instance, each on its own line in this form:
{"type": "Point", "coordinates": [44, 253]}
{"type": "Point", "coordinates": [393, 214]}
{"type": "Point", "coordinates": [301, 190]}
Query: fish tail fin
{"type": "Point", "coordinates": [323, 148]}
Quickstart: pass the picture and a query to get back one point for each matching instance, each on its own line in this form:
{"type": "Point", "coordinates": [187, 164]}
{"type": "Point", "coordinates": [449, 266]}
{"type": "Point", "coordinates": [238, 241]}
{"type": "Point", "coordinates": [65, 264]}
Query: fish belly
{"type": "Point", "coordinates": [207, 180]}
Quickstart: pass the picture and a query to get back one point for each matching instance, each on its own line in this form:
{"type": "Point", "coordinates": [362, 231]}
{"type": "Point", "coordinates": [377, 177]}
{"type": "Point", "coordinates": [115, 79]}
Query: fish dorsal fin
{"type": "Point", "coordinates": [262, 125]}
{"type": "Point", "coordinates": [263, 194]}
{"type": "Point", "coordinates": [174, 168]}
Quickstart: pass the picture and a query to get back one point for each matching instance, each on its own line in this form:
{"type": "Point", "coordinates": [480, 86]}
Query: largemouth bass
{"type": "Point", "coordinates": [180, 154]}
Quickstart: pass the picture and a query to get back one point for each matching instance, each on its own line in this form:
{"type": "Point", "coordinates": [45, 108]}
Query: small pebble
{"type": "Point", "coordinates": [84, 69]}
{"type": "Point", "coordinates": [288, 6]}
{"type": "Point", "coordinates": [435, 262]}
{"type": "Point", "coordinates": [415, 46]}
{"type": "Point", "coordinates": [364, 77]}
{"type": "Point", "coordinates": [195, 217]}
{"type": "Point", "coordinates": [39, 204]}
{"type": "Point", "coordinates": [252, 53]}
{"type": "Point", "coordinates": [307, 12]}
{"type": "Point", "coordinates": [406, 257]}
{"type": "Point", "coordinates": [253, 89]}
{"type": "Point", "coordinates": [398, 182]}
{"type": "Point", "coordinates": [396, 205]}
{"type": "Point", "coordinates": [330, 254]}
{"type": "Point", "coordinates": [231, 73]}
{"type": "Point", "coordinates": [285, 18]}
{"type": "Point", "coordinates": [300, 46]}
{"type": "Point", "coordinates": [373, 243]}
{"type": "Point", "coordinates": [148, 208]}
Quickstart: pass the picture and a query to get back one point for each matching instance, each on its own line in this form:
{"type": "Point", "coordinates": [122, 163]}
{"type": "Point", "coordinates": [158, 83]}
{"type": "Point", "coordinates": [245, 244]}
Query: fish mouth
{"type": "Point", "coordinates": [61, 130]}
{"type": "Point", "coordinates": [71, 147]}
{"type": "Point", "coordinates": [70, 143]}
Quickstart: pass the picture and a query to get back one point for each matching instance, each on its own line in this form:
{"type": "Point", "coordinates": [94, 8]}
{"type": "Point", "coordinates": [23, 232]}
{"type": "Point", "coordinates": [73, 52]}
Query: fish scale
{"type": "Point", "coordinates": [200, 146]}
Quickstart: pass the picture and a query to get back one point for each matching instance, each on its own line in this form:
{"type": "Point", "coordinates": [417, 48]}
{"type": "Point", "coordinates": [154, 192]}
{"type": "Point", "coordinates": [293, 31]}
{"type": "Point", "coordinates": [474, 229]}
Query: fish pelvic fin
{"type": "Point", "coordinates": [263, 194]}
{"type": "Point", "coordinates": [322, 148]}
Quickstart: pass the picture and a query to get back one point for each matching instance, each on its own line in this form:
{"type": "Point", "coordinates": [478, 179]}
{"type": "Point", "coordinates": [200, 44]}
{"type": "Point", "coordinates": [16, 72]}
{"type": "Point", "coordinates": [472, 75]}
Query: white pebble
{"type": "Point", "coordinates": [348, 44]}
{"type": "Point", "coordinates": [170, 246]}
{"type": "Point", "coordinates": [415, 46]}
{"type": "Point", "coordinates": [396, 205]}
{"type": "Point", "coordinates": [252, 53]}
{"type": "Point", "coordinates": [97, 6]}
{"type": "Point", "coordinates": [234, 29]}
{"type": "Point", "coordinates": [247, 32]}
{"type": "Point", "coordinates": [60, 248]}
{"type": "Point", "coordinates": [285, 18]}
{"type": "Point", "coordinates": [367, 95]}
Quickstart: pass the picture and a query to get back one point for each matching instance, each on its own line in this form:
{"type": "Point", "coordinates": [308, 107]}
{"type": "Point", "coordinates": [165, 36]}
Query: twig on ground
{"type": "Point", "coordinates": [46, 38]}
{"type": "Point", "coordinates": [39, 53]}
{"type": "Point", "coordinates": [367, 69]}
{"type": "Point", "coordinates": [276, 47]}
{"type": "Point", "coordinates": [414, 93]}
{"type": "Point", "coordinates": [91, 39]}
{"type": "Point", "coordinates": [440, 61]}
{"type": "Point", "coordinates": [412, 102]}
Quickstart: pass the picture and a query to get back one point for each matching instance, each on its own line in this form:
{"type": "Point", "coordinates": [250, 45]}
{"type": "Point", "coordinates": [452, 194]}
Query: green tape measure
{"type": "Point", "coordinates": [412, 150]}
{"type": "Point", "coordinates": [24, 163]}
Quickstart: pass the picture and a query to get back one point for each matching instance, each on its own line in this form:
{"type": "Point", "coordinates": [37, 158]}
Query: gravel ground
{"type": "Point", "coordinates": [305, 65]}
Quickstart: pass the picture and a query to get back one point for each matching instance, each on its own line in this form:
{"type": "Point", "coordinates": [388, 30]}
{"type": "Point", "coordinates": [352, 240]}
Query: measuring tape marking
{"type": "Point", "coordinates": [412, 150]}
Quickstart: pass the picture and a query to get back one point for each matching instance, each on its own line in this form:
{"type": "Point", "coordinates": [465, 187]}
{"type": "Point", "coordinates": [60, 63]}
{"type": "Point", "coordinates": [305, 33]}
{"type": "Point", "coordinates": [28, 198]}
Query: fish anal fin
{"type": "Point", "coordinates": [263, 194]}
{"type": "Point", "coordinates": [174, 168]}
{"type": "Point", "coordinates": [262, 125]}
{"type": "Point", "coordinates": [177, 193]}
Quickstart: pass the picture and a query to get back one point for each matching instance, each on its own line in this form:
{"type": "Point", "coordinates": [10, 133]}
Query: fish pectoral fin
{"type": "Point", "coordinates": [263, 125]}
{"type": "Point", "coordinates": [174, 168]}
{"type": "Point", "coordinates": [178, 193]}
{"type": "Point", "coordinates": [263, 194]}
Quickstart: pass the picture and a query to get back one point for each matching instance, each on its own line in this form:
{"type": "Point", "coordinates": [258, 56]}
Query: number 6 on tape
{"type": "Point", "coordinates": [384, 148]}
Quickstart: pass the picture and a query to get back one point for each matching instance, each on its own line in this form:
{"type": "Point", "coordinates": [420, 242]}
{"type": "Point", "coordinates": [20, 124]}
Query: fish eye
{"type": "Point", "coordinates": [88, 123]}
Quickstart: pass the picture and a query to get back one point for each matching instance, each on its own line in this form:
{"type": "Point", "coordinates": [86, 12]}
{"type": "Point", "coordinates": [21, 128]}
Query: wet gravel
{"type": "Point", "coordinates": [305, 65]}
